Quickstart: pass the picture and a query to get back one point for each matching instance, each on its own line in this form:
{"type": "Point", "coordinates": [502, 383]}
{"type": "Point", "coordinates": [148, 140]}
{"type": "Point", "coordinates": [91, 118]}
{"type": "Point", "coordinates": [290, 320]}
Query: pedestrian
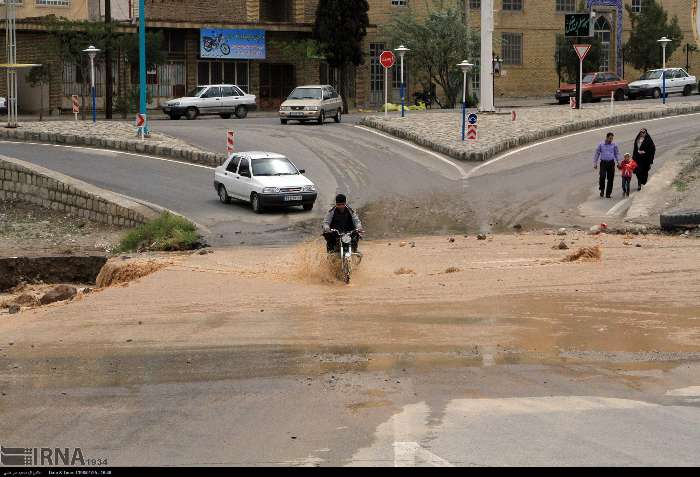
{"type": "Point", "coordinates": [608, 154]}
{"type": "Point", "coordinates": [627, 167]}
{"type": "Point", "coordinates": [643, 155]}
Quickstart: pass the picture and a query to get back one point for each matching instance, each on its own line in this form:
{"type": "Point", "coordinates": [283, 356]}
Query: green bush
{"type": "Point", "coordinates": [167, 232]}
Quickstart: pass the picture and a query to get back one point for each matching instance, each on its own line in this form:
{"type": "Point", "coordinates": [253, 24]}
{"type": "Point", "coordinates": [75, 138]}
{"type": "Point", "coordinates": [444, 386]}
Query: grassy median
{"type": "Point", "coordinates": [167, 232]}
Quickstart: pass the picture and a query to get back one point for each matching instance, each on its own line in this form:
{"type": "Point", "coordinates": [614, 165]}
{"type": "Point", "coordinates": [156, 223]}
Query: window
{"type": "Point", "coordinates": [233, 164]}
{"type": "Point", "coordinates": [227, 91]}
{"type": "Point", "coordinates": [396, 75]}
{"type": "Point", "coordinates": [244, 169]}
{"type": "Point", "coordinates": [234, 72]}
{"type": "Point", "coordinates": [214, 92]}
{"type": "Point", "coordinates": [475, 78]}
{"type": "Point", "coordinates": [636, 6]}
{"type": "Point", "coordinates": [399, 3]}
{"type": "Point", "coordinates": [512, 5]}
{"type": "Point", "coordinates": [602, 31]}
{"type": "Point", "coordinates": [60, 3]}
{"type": "Point", "coordinates": [565, 6]}
{"type": "Point", "coordinates": [376, 74]}
{"type": "Point", "coordinates": [512, 48]}
{"type": "Point", "coordinates": [276, 11]}
{"type": "Point", "coordinates": [475, 4]}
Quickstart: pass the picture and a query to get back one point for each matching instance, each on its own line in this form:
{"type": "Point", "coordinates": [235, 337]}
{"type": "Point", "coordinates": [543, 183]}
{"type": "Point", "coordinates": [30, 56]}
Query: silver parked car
{"type": "Point", "coordinates": [312, 103]}
{"type": "Point", "coordinates": [218, 99]}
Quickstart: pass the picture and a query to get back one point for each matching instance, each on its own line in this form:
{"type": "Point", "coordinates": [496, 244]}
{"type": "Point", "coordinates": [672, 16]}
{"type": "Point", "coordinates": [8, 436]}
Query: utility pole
{"type": "Point", "coordinates": [108, 61]}
{"type": "Point", "coordinates": [486, 99]}
{"type": "Point", "coordinates": [11, 45]}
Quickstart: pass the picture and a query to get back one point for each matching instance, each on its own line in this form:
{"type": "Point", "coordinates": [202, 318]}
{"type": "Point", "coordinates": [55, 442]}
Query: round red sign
{"type": "Point", "coordinates": [387, 59]}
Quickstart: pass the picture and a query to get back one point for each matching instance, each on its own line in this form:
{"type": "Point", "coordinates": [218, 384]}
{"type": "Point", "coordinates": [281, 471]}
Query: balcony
{"type": "Point", "coordinates": [277, 11]}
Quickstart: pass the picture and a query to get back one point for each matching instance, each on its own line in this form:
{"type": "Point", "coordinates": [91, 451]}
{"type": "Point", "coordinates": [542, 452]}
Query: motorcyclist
{"type": "Point", "coordinates": [343, 219]}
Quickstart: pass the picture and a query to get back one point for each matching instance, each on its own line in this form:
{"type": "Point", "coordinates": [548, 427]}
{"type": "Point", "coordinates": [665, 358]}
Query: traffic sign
{"type": "Point", "coordinates": [140, 120]}
{"type": "Point", "coordinates": [577, 25]}
{"type": "Point", "coordinates": [76, 104]}
{"type": "Point", "coordinates": [229, 142]}
{"type": "Point", "coordinates": [471, 132]}
{"type": "Point", "coordinates": [472, 118]}
{"type": "Point", "coordinates": [387, 59]}
{"type": "Point", "coordinates": [582, 51]}
{"type": "Point", "coordinates": [572, 102]}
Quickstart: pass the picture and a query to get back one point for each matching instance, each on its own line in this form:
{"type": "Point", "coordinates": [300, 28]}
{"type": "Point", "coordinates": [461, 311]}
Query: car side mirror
{"type": "Point", "coordinates": [302, 171]}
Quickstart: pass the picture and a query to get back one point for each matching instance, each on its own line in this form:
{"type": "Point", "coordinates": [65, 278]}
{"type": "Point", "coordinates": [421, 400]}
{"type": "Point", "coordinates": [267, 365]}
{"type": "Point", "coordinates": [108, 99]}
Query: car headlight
{"type": "Point", "coordinates": [309, 188]}
{"type": "Point", "coordinates": [174, 103]}
{"type": "Point", "coordinates": [271, 190]}
{"type": "Point", "coordinates": [311, 108]}
{"type": "Point", "coordinates": [285, 108]}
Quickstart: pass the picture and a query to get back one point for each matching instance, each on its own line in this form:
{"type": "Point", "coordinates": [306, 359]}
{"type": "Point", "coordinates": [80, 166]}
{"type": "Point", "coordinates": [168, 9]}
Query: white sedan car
{"type": "Point", "coordinates": [651, 83]}
{"type": "Point", "coordinates": [264, 179]}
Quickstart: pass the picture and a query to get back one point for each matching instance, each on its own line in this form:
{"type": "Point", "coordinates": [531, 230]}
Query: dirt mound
{"type": "Point", "coordinates": [117, 271]}
{"type": "Point", "coordinates": [586, 254]}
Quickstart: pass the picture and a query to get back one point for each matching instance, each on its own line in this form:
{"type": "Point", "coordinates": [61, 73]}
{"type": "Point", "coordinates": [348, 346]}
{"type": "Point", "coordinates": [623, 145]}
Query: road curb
{"type": "Point", "coordinates": [119, 145]}
{"type": "Point", "coordinates": [515, 142]}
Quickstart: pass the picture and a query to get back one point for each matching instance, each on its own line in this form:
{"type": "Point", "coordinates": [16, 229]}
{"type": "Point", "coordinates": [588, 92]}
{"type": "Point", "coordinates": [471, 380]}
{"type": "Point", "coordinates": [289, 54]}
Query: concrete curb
{"type": "Point", "coordinates": [28, 182]}
{"type": "Point", "coordinates": [120, 145]}
{"type": "Point", "coordinates": [515, 142]}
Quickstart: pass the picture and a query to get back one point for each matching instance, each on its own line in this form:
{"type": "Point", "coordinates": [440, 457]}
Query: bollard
{"type": "Point", "coordinates": [612, 103]}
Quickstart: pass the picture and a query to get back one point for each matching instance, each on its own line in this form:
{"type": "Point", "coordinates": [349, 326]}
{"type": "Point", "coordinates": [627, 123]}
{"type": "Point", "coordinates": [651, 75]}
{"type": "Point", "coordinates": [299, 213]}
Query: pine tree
{"type": "Point", "coordinates": [642, 50]}
{"type": "Point", "coordinates": [340, 27]}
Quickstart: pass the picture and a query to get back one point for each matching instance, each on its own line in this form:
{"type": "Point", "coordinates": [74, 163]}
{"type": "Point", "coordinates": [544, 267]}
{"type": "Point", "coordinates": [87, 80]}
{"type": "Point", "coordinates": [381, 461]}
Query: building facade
{"type": "Point", "coordinates": [259, 45]}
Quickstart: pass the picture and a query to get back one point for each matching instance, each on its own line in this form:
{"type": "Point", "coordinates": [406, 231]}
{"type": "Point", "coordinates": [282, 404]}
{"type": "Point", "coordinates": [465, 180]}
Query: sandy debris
{"type": "Point", "coordinates": [588, 254]}
{"type": "Point", "coordinates": [117, 271]}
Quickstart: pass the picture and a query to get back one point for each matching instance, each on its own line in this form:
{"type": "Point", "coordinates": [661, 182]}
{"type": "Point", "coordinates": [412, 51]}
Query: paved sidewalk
{"type": "Point", "coordinates": [497, 132]}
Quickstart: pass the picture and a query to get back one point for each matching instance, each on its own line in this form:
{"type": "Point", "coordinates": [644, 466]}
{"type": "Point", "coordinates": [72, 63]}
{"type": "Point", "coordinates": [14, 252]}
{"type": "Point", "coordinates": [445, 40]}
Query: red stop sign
{"type": "Point", "coordinates": [387, 59]}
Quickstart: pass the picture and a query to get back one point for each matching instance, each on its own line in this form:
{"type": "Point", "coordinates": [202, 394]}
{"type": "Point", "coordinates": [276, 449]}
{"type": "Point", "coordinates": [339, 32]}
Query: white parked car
{"type": "Point", "coordinates": [651, 83]}
{"type": "Point", "coordinates": [218, 99]}
{"type": "Point", "coordinates": [264, 179]}
{"type": "Point", "coordinates": [3, 105]}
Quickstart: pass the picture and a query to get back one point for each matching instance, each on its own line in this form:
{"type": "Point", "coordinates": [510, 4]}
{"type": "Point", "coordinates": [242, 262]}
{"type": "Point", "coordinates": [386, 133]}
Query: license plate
{"type": "Point", "coordinates": [292, 197]}
{"type": "Point", "coordinates": [297, 114]}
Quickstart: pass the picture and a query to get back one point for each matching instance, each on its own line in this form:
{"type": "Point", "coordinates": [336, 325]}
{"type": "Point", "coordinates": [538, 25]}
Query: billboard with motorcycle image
{"type": "Point", "coordinates": [232, 44]}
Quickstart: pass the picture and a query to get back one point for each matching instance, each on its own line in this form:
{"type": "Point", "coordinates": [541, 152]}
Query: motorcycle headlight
{"type": "Point", "coordinates": [311, 108]}
{"type": "Point", "coordinates": [346, 239]}
{"type": "Point", "coordinates": [271, 190]}
{"type": "Point", "coordinates": [309, 188]}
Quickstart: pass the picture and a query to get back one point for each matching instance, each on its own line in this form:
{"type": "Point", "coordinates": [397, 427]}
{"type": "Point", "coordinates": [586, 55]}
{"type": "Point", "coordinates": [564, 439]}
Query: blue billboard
{"type": "Point", "coordinates": [232, 44]}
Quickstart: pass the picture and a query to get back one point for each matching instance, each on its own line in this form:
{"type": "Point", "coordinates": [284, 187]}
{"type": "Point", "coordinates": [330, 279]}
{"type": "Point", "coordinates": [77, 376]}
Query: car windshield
{"type": "Point", "coordinates": [650, 75]}
{"type": "Point", "coordinates": [196, 91]}
{"type": "Point", "coordinates": [274, 167]}
{"type": "Point", "coordinates": [306, 93]}
{"type": "Point", "coordinates": [588, 78]}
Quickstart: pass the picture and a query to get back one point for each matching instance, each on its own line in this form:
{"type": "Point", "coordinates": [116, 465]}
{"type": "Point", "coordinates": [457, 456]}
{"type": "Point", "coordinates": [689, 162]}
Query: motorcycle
{"type": "Point", "coordinates": [218, 41]}
{"type": "Point", "coordinates": [347, 258]}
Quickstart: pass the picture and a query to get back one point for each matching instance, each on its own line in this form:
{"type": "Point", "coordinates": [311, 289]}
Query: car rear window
{"type": "Point", "coordinates": [274, 167]}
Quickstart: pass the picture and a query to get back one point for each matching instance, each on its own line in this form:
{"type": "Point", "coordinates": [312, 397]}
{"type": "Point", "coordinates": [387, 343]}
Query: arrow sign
{"type": "Point", "coordinates": [387, 59]}
{"type": "Point", "coordinates": [471, 132]}
{"type": "Point", "coordinates": [140, 120]}
{"type": "Point", "coordinates": [472, 119]}
{"type": "Point", "coordinates": [582, 51]}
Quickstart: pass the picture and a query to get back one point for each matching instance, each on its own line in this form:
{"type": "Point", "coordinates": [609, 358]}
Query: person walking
{"type": "Point", "coordinates": [627, 167]}
{"type": "Point", "coordinates": [643, 155]}
{"type": "Point", "coordinates": [608, 154]}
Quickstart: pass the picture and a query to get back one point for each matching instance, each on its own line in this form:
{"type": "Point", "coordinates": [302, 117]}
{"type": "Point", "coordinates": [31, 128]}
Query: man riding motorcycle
{"type": "Point", "coordinates": [342, 219]}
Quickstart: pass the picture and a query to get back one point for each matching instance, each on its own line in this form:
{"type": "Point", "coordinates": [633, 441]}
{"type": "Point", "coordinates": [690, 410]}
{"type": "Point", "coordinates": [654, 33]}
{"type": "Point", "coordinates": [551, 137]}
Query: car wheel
{"type": "Point", "coordinates": [223, 195]}
{"type": "Point", "coordinates": [619, 95]}
{"type": "Point", "coordinates": [283, 121]}
{"type": "Point", "coordinates": [191, 113]}
{"type": "Point", "coordinates": [656, 94]}
{"type": "Point", "coordinates": [225, 116]}
{"type": "Point", "coordinates": [631, 96]}
{"type": "Point", "coordinates": [308, 207]}
{"type": "Point", "coordinates": [321, 117]}
{"type": "Point", "coordinates": [338, 116]}
{"type": "Point", "coordinates": [687, 90]}
{"type": "Point", "coordinates": [255, 203]}
{"type": "Point", "coordinates": [587, 97]}
{"type": "Point", "coordinates": [241, 112]}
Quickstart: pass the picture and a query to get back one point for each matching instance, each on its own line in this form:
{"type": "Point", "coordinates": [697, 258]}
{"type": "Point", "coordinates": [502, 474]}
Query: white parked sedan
{"type": "Point", "coordinates": [264, 179]}
{"type": "Point", "coordinates": [651, 83]}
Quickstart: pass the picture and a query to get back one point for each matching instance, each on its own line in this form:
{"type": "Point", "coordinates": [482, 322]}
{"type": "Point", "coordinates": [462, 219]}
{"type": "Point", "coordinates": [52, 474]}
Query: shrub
{"type": "Point", "coordinates": [167, 232]}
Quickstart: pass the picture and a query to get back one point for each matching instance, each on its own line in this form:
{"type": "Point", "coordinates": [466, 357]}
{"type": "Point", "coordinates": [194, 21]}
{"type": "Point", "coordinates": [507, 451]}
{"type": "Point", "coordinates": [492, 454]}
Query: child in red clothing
{"type": "Point", "coordinates": [627, 167]}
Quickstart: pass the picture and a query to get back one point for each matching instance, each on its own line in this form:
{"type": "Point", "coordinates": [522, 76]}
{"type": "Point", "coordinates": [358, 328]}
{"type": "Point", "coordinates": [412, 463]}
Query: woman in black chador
{"type": "Point", "coordinates": [643, 155]}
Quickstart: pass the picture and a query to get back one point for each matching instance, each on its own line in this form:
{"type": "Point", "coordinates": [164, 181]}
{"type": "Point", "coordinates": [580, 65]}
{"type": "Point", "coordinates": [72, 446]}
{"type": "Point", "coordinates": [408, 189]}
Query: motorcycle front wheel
{"type": "Point", "coordinates": [346, 270]}
{"type": "Point", "coordinates": [225, 49]}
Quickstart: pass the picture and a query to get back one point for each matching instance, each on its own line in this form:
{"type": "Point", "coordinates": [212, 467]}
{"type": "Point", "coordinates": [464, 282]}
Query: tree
{"type": "Point", "coordinates": [437, 44]}
{"type": "Point", "coordinates": [567, 62]}
{"type": "Point", "coordinates": [340, 28]}
{"type": "Point", "coordinates": [39, 76]}
{"type": "Point", "coordinates": [642, 50]}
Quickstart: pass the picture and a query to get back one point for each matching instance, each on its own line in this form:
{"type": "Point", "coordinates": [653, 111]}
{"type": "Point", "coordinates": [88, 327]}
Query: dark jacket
{"type": "Point", "coordinates": [647, 159]}
{"type": "Point", "coordinates": [352, 221]}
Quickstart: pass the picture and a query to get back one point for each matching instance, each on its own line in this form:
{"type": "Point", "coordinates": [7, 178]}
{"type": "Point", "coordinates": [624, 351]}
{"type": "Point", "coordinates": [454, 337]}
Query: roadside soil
{"type": "Point", "coordinates": [451, 300]}
{"type": "Point", "coordinates": [29, 230]}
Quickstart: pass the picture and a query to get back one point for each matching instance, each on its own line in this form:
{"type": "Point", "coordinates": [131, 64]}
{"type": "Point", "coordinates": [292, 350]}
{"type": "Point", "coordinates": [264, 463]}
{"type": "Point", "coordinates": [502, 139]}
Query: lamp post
{"type": "Point", "coordinates": [496, 71]}
{"type": "Point", "coordinates": [664, 41]}
{"type": "Point", "coordinates": [92, 52]}
{"type": "Point", "coordinates": [465, 67]}
{"type": "Point", "coordinates": [142, 66]}
{"type": "Point", "coordinates": [401, 50]}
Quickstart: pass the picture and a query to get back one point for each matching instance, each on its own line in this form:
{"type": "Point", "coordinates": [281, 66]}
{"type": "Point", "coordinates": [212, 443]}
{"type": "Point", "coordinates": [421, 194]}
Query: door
{"type": "Point", "coordinates": [210, 101]}
{"type": "Point", "coordinates": [228, 178]}
{"type": "Point", "coordinates": [337, 101]}
{"type": "Point", "coordinates": [228, 99]}
{"type": "Point", "coordinates": [244, 181]}
{"type": "Point", "coordinates": [674, 82]}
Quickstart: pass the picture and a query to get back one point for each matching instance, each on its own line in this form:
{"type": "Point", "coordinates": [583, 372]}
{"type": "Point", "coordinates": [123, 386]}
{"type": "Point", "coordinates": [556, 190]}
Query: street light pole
{"type": "Point", "coordinates": [402, 52]}
{"type": "Point", "coordinates": [142, 65]}
{"type": "Point", "coordinates": [664, 41]}
{"type": "Point", "coordinates": [465, 67]}
{"type": "Point", "coordinates": [92, 51]}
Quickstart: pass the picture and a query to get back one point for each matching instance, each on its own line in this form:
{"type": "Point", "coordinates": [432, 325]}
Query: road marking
{"type": "Point", "coordinates": [134, 154]}
{"type": "Point", "coordinates": [559, 138]}
{"type": "Point", "coordinates": [462, 172]}
{"type": "Point", "coordinates": [410, 454]}
{"type": "Point", "coordinates": [692, 391]}
{"type": "Point", "coordinates": [617, 207]}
